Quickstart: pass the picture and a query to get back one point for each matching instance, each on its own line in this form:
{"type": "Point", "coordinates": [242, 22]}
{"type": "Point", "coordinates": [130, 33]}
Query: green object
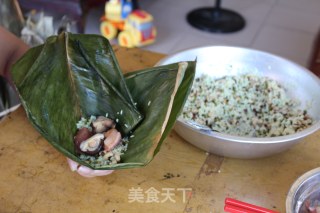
{"type": "Point", "coordinates": [77, 75]}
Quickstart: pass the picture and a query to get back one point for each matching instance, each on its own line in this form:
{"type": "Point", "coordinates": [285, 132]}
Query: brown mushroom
{"type": "Point", "coordinates": [92, 145]}
{"type": "Point", "coordinates": [112, 139]}
{"type": "Point", "coordinates": [102, 124]}
{"type": "Point", "coordinates": [82, 134]}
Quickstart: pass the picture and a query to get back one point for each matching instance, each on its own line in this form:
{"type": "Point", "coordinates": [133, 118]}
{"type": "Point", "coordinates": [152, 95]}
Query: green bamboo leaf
{"type": "Point", "coordinates": [73, 76]}
{"type": "Point", "coordinates": [160, 99]}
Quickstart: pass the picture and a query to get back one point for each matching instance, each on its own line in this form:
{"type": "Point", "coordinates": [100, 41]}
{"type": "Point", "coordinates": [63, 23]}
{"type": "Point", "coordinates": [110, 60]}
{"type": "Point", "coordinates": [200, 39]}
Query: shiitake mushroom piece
{"type": "Point", "coordinates": [92, 145]}
{"type": "Point", "coordinates": [102, 124]}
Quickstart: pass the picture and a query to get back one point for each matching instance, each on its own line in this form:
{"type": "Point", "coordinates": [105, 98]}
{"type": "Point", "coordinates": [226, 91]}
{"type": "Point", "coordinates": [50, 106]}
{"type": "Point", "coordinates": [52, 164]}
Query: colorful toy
{"type": "Point", "coordinates": [134, 27]}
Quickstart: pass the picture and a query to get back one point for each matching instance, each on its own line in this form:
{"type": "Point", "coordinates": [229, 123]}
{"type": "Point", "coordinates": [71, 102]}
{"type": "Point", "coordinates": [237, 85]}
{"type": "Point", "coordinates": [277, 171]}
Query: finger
{"type": "Point", "coordinates": [87, 172]}
{"type": "Point", "coordinates": [72, 164]}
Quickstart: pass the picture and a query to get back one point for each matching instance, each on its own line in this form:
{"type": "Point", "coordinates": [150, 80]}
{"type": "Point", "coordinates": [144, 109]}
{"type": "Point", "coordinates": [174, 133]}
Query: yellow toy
{"type": "Point", "coordinates": [135, 26]}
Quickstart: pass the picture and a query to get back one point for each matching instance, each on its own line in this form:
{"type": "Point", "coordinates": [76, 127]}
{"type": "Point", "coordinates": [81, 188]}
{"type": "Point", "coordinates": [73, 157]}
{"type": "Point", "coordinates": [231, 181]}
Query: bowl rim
{"type": "Point", "coordinates": [296, 185]}
{"type": "Point", "coordinates": [164, 59]}
{"type": "Point", "coordinates": [243, 139]}
{"type": "Point", "coordinates": [254, 140]}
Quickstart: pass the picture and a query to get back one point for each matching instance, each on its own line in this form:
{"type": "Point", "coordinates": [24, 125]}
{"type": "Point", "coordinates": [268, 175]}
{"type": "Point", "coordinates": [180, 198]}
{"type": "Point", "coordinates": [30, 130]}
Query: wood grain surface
{"type": "Point", "coordinates": [34, 177]}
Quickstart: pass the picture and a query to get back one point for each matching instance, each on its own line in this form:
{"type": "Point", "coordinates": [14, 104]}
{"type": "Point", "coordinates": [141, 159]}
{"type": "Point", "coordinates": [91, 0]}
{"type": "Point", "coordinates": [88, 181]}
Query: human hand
{"type": "Point", "coordinates": [12, 48]}
{"type": "Point", "coordinates": [85, 171]}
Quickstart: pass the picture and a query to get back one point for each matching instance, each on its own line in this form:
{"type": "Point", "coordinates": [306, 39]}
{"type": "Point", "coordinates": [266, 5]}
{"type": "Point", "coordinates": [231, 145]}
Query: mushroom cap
{"type": "Point", "coordinates": [102, 124]}
{"type": "Point", "coordinates": [112, 139]}
{"type": "Point", "coordinates": [92, 145]}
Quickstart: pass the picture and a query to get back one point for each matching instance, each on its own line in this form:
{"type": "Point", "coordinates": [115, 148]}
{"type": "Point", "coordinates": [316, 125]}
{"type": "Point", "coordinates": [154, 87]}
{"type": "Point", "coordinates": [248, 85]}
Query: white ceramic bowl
{"type": "Point", "coordinates": [219, 61]}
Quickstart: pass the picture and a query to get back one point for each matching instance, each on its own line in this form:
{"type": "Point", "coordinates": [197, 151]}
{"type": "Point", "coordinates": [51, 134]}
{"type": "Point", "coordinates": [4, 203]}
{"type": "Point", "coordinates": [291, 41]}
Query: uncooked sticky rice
{"type": "Point", "coordinates": [244, 105]}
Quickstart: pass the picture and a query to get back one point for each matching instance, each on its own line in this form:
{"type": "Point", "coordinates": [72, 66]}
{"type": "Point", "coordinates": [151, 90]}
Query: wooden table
{"type": "Point", "coordinates": [34, 177]}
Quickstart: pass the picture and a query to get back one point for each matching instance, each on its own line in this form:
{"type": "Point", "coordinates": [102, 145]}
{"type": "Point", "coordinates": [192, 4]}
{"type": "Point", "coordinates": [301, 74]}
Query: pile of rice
{"type": "Point", "coordinates": [244, 105]}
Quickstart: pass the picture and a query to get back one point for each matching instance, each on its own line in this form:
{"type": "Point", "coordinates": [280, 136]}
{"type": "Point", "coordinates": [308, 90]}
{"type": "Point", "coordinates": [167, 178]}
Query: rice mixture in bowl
{"type": "Point", "coordinates": [245, 105]}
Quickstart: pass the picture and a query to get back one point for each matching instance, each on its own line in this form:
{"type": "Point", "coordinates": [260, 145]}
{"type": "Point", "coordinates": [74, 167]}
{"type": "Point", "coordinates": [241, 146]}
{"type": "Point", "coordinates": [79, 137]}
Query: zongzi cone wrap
{"type": "Point", "coordinates": [72, 76]}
